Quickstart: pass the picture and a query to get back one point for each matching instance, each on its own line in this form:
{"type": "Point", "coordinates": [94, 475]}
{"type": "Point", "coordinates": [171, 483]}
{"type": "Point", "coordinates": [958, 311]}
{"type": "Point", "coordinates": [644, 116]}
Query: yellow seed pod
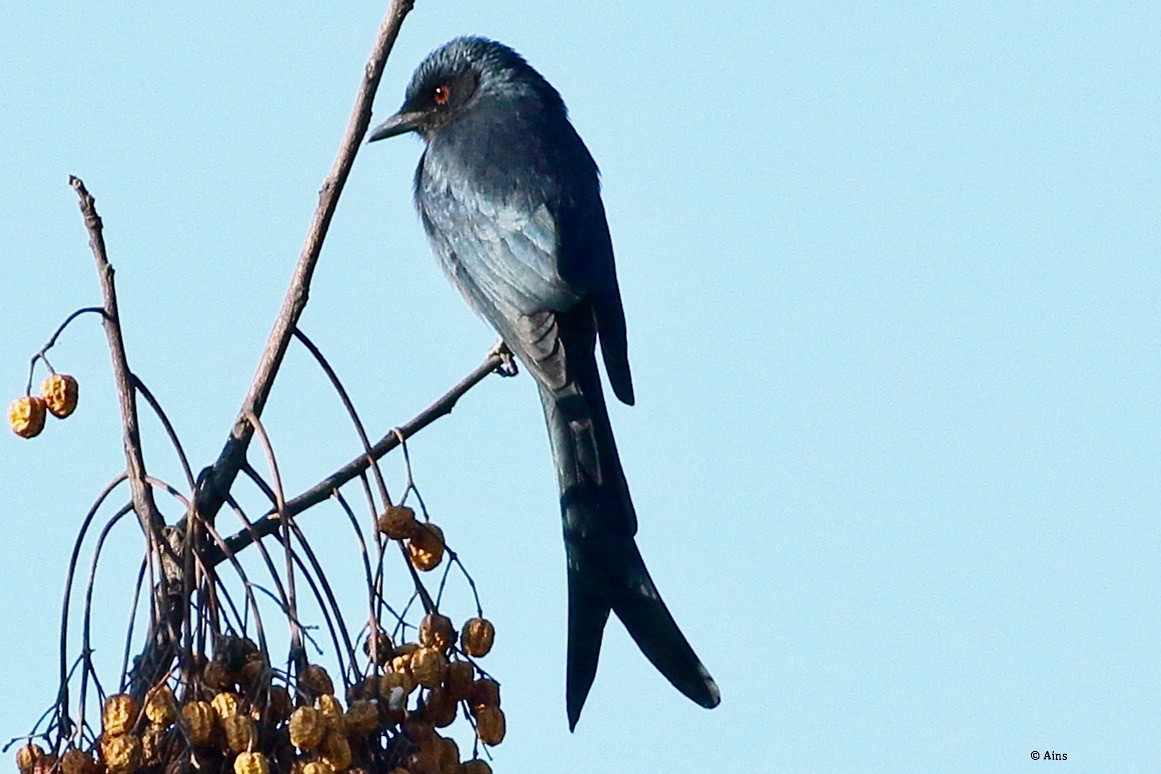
{"type": "Point", "coordinates": [306, 728]}
{"type": "Point", "coordinates": [398, 522]}
{"type": "Point", "coordinates": [426, 547]}
{"type": "Point", "coordinates": [335, 750]}
{"type": "Point", "coordinates": [198, 719]}
{"type": "Point", "coordinates": [27, 756]}
{"type": "Point", "coordinates": [76, 762]}
{"type": "Point", "coordinates": [26, 416]}
{"type": "Point", "coordinates": [428, 666]}
{"type": "Point", "coordinates": [161, 706]}
{"type": "Point", "coordinates": [332, 713]}
{"type": "Point", "coordinates": [59, 393]}
{"type": "Point", "coordinates": [226, 705]}
{"type": "Point", "coordinates": [436, 631]}
{"type": "Point", "coordinates": [316, 680]}
{"type": "Point", "coordinates": [122, 753]}
{"type": "Point", "coordinates": [490, 726]}
{"type": "Point", "coordinates": [120, 714]}
{"type": "Point", "coordinates": [318, 767]}
{"type": "Point", "coordinates": [153, 746]}
{"type": "Point", "coordinates": [240, 732]}
{"type": "Point", "coordinates": [362, 718]}
{"type": "Point", "coordinates": [251, 763]}
{"type": "Point", "coordinates": [458, 682]}
{"type": "Point", "coordinates": [477, 636]}
{"type": "Point", "coordinates": [475, 766]}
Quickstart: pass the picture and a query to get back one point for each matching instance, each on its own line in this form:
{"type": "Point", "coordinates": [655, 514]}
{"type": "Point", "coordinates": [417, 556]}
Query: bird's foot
{"type": "Point", "coordinates": [507, 365]}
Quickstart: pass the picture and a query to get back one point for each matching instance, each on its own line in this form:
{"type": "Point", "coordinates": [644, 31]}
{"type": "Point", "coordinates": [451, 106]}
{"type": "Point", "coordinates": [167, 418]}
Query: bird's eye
{"type": "Point", "coordinates": [441, 94]}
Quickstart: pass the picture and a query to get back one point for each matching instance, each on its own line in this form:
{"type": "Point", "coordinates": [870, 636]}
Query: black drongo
{"type": "Point", "coordinates": [510, 199]}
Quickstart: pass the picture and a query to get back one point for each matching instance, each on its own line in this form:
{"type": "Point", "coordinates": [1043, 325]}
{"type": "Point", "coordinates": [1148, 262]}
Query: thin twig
{"type": "Point", "coordinates": [225, 469]}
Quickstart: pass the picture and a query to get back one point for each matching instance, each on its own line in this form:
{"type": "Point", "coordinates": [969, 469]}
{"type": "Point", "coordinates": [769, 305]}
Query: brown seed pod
{"type": "Point", "coordinates": [459, 679]}
{"type": "Point", "coordinates": [428, 666]}
{"type": "Point", "coordinates": [278, 705]}
{"type": "Point", "coordinates": [216, 677]}
{"type": "Point", "coordinates": [439, 708]}
{"type": "Point", "coordinates": [227, 704]}
{"type": "Point", "coordinates": [426, 547]}
{"type": "Point", "coordinates": [475, 766]}
{"type": "Point", "coordinates": [76, 762]}
{"type": "Point", "coordinates": [335, 750]}
{"type": "Point", "coordinates": [490, 725]}
{"type": "Point", "coordinates": [449, 753]}
{"type": "Point", "coordinates": [241, 734]}
{"type": "Point", "coordinates": [484, 693]}
{"type": "Point", "coordinates": [477, 636]}
{"type": "Point", "coordinates": [390, 682]}
{"type": "Point", "coordinates": [436, 631]}
{"type": "Point", "coordinates": [332, 713]}
{"type": "Point", "coordinates": [161, 706]}
{"type": "Point", "coordinates": [27, 756]}
{"type": "Point", "coordinates": [120, 714]}
{"type": "Point", "coordinates": [418, 731]}
{"type": "Point", "coordinates": [26, 416]}
{"type": "Point", "coordinates": [316, 680]}
{"type": "Point", "coordinates": [251, 763]}
{"type": "Point", "coordinates": [122, 754]}
{"type": "Point", "coordinates": [424, 761]}
{"type": "Point", "coordinates": [306, 728]}
{"type": "Point", "coordinates": [383, 647]}
{"type": "Point", "coordinates": [398, 522]}
{"type": "Point", "coordinates": [198, 719]}
{"type": "Point", "coordinates": [253, 672]}
{"type": "Point", "coordinates": [59, 393]}
{"type": "Point", "coordinates": [362, 717]}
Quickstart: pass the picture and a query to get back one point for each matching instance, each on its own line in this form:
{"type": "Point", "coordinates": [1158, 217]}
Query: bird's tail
{"type": "Point", "coordinates": [605, 568]}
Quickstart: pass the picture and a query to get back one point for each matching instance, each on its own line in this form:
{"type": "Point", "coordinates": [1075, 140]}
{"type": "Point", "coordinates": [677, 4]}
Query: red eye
{"type": "Point", "coordinates": [441, 95]}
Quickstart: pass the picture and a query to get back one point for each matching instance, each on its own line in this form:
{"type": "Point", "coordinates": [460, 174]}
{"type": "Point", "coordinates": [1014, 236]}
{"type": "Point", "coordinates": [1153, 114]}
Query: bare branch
{"type": "Point", "coordinates": [225, 469]}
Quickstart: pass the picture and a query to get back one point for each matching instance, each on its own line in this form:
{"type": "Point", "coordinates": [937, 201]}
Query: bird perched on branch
{"type": "Point", "coordinates": [510, 199]}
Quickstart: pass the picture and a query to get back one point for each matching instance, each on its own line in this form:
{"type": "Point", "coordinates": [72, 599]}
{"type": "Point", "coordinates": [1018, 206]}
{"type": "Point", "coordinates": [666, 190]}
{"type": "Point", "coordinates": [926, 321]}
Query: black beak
{"type": "Point", "coordinates": [402, 122]}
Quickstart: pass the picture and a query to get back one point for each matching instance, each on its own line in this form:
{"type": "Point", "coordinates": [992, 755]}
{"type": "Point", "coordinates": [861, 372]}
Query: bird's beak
{"type": "Point", "coordinates": [400, 123]}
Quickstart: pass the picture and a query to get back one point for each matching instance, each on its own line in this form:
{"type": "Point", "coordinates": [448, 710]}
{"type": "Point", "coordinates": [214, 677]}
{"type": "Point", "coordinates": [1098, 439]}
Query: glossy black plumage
{"type": "Point", "coordinates": [510, 199]}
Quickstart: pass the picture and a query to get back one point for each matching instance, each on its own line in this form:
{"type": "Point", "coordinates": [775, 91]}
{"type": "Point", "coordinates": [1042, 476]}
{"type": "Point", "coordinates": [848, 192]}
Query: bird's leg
{"type": "Point", "coordinates": [507, 366]}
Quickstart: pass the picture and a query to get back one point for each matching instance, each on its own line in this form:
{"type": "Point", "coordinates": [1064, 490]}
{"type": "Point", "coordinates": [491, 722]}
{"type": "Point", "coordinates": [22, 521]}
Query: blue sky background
{"type": "Point", "coordinates": [892, 288]}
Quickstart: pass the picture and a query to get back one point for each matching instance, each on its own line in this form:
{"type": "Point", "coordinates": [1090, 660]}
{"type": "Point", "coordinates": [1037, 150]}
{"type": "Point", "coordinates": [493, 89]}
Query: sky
{"type": "Point", "coordinates": [891, 282]}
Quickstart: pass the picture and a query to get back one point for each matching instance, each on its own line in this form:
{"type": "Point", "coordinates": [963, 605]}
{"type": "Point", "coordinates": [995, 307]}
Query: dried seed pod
{"type": "Point", "coordinates": [241, 734]}
{"type": "Point", "coordinates": [383, 647]}
{"type": "Point", "coordinates": [216, 677]}
{"type": "Point", "coordinates": [253, 672]}
{"type": "Point", "coordinates": [335, 750]}
{"type": "Point", "coordinates": [59, 393]}
{"type": "Point", "coordinates": [161, 706]}
{"type": "Point", "coordinates": [475, 766]}
{"type": "Point", "coordinates": [153, 746]}
{"type": "Point", "coordinates": [477, 637]}
{"type": "Point", "coordinates": [459, 679]}
{"type": "Point", "coordinates": [395, 687]}
{"type": "Point", "coordinates": [316, 680]}
{"type": "Point", "coordinates": [26, 416]}
{"type": "Point", "coordinates": [318, 767]}
{"type": "Point", "coordinates": [198, 719]}
{"type": "Point", "coordinates": [227, 704]}
{"type": "Point", "coordinates": [27, 756]}
{"type": "Point", "coordinates": [251, 763]}
{"type": "Point", "coordinates": [420, 732]}
{"type": "Point", "coordinates": [428, 666]}
{"type": "Point", "coordinates": [490, 725]}
{"type": "Point", "coordinates": [122, 754]}
{"type": "Point", "coordinates": [424, 761]}
{"type": "Point", "coordinates": [332, 713]}
{"type": "Point", "coordinates": [362, 717]}
{"type": "Point", "coordinates": [278, 705]}
{"type": "Point", "coordinates": [76, 762]}
{"type": "Point", "coordinates": [485, 692]}
{"type": "Point", "coordinates": [306, 728]}
{"type": "Point", "coordinates": [449, 753]}
{"type": "Point", "coordinates": [436, 631]}
{"type": "Point", "coordinates": [398, 522]}
{"type": "Point", "coordinates": [120, 714]}
{"type": "Point", "coordinates": [426, 547]}
{"type": "Point", "coordinates": [439, 708]}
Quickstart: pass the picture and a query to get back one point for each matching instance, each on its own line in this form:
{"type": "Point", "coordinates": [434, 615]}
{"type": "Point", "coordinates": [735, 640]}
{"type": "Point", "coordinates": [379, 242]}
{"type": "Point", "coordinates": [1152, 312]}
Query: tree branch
{"type": "Point", "coordinates": [221, 476]}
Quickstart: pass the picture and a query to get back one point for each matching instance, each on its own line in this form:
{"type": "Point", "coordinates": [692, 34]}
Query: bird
{"type": "Point", "coordinates": [509, 197]}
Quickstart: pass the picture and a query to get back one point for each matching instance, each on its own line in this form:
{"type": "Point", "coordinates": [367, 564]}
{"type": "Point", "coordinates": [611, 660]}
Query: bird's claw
{"type": "Point", "coordinates": [507, 365]}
